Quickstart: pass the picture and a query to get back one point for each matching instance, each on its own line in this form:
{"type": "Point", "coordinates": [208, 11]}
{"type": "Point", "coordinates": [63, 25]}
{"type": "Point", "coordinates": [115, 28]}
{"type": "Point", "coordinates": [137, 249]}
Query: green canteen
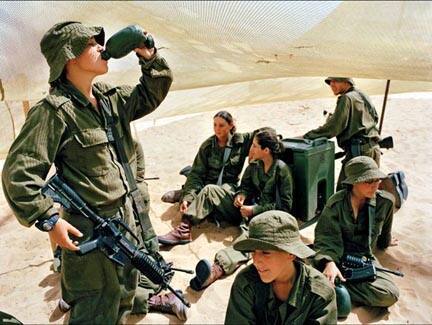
{"type": "Point", "coordinates": [343, 301]}
{"type": "Point", "coordinates": [125, 40]}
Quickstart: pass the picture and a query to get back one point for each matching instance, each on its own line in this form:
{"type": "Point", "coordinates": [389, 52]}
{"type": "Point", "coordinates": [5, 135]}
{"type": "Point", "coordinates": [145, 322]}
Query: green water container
{"type": "Point", "coordinates": [312, 164]}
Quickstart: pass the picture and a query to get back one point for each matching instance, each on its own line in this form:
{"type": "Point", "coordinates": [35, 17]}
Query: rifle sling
{"type": "Point", "coordinates": [277, 181]}
{"type": "Point", "coordinates": [227, 153]}
{"type": "Point", "coordinates": [138, 204]}
{"type": "Point", "coordinates": [371, 219]}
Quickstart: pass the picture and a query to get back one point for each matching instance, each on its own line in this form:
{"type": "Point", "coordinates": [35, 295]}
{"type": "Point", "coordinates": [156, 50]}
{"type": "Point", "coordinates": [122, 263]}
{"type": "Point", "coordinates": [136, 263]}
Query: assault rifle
{"type": "Point", "coordinates": [111, 241]}
{"type": "Point", "coordinates": [356, 269]}
{"type": "Point", "coordinates": [385, 143]}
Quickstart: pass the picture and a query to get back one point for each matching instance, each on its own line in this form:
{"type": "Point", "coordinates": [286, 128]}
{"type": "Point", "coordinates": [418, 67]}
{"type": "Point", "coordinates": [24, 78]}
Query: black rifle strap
{"type": "Point", "coordinates": [371, 221]}
{"type": "Point", "coordinates": [278, 185]}
{"type": "Point", "coordinates": [138, 204]}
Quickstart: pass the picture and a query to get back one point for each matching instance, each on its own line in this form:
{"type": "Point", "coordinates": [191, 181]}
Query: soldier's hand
{"type": "Point", "coordinates": [145, 52]}
{"type": "Point", "coordinates": [246, 211]}
{"type": "Point", "coordinates": [239, 200]}
{"type": "Point", "coordinates": [60, 235]}
{"type": "Point", "coordinates": [332, 272]}
{"type": "Point", "coordinates": [183, 206]}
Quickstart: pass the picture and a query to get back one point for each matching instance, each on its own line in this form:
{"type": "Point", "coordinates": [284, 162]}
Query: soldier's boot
{"type": "Point", "coordinates": [168, 303]}
{"type": "Point", "coordinates": [171, 196]}
{"type": "Point", "coordinates": [205, 274]}
{"type": "Point", "coordinates": [180, 235]}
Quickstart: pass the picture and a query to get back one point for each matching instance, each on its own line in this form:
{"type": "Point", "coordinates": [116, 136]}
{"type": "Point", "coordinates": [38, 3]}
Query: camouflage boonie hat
{"type": "Point", "coordinates": [339, 79]}
{"type": "Point", "coordinates": [66, 41]}
{"type": "Point", "coordinates": [361, 169]}
{"type": "Point", "coordinates": [277, 231]}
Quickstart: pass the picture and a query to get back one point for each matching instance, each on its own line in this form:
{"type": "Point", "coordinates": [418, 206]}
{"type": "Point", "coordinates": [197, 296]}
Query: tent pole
{"type": "Point", "coordinates": [11, 118]}
{"type": "Point", "coordinates": [384, 106]}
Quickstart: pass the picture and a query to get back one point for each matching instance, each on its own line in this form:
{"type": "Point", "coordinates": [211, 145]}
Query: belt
{"type": "Point", "coordinates": [369, 145]}
{"type": "Point", "coordinates": [364, 143]}
{"type": "Point", "coordinates": [104, 210]}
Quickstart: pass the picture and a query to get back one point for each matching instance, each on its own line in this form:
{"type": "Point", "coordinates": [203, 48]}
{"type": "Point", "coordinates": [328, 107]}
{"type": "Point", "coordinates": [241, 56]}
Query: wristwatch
{"type": "Point", "coordinates": [47, 224]}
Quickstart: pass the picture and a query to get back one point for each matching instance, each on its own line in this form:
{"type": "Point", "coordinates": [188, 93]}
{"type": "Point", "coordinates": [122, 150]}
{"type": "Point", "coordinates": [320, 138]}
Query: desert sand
{"type": "Point", "coordinates": [29, 290]}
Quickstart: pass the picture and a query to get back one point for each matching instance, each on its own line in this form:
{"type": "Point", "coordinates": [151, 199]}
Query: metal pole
{"type": "Point", "coordinates": [384, 106]}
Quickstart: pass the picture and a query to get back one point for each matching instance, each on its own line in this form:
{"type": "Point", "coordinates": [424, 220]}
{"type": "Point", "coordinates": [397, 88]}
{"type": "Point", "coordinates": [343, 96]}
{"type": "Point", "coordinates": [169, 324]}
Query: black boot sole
{"type": "Point", "coordinates": [202, 273]}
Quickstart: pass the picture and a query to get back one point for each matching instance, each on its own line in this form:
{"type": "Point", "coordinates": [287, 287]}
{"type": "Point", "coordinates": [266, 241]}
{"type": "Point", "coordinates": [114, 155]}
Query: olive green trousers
{"type": "Point", "coordinates": [217, 201]}
{"type": "Point", "coordinates": [230, 259]}
{"type": "Point", "coordinates": [99, 291]}
{"type": "Point", "coordinates": [380, 293]}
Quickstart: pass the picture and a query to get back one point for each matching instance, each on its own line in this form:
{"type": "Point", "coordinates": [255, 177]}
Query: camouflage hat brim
{"type": "Point", "coordinates": [296, 248]}
{"type": "Point", "coordinates": [369, 175]}
{"type": "Point", "coordinates": [66, 41]}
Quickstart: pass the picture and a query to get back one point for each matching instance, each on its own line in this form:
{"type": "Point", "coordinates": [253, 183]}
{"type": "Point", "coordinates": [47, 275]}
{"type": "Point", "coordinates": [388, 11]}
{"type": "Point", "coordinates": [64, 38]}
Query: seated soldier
{"type": "Point", "coordinates": [213, 179]}
{"type": "Point", "coordinates": [355, 221]}
{"type": "Point", "coordinates": [279, 288]}
{"type": "Point", "coordinates": [267, 184]}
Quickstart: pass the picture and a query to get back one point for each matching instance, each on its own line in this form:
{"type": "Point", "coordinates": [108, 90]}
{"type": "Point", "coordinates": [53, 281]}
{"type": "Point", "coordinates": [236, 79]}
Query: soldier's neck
{"type": "Point", "coordinates": [268, 162]}
{"type": "Point", "coordinates": [282, 286]}
{"type": "Point", "coordinates": [357, 202]}
{"type": "Point", "coordinates": [84, 83]}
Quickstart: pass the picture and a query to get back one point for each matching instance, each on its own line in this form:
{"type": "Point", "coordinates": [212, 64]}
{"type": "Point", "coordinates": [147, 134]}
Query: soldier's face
{"type": "Point", "coordinates": [367, 189]}
{"type": "Point", "coordinates": [256, 152]}
{"type": "Point", "coordinates": [90, 60]}
{"type": "Point", "coordinates": [339, 87]}
{"type": "Point", "coordinates": [273, 265]}
{"type": "Point", "coordinates": [221, 127]}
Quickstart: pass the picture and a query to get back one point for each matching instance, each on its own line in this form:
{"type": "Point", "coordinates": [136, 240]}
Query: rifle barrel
{"type": "Point", "coordinates": [390, 271]}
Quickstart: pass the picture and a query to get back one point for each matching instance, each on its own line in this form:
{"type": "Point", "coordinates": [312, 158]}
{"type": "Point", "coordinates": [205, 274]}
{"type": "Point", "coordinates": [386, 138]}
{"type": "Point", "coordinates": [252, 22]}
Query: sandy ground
{"type": "Point", "coordinates": [29, 290]}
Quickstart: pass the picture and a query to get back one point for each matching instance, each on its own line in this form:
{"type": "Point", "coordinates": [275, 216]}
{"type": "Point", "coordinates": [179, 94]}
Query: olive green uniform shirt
{"type": "Point", "coordinates": [208, 164]}
{"type": "Point", "coordinates": [337, 233]}
{"type": "Point", "coordinates": [262, 186]}
{"type": "Point", "coordinates": [65, 129]}
{"type": "Point", "coordinates": [311, 300]}
{"type": "Point", "coordinates": [351, 119]}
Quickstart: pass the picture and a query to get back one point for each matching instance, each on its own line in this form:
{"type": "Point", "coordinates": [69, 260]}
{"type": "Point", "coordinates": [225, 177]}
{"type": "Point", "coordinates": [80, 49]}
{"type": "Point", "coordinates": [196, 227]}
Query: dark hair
{"type": "Point", "coordinates": [227, 117]}
{"type": "Point", "coordinates": [268, 138]}
{"type": "Point", "coordinates": [59, 80]}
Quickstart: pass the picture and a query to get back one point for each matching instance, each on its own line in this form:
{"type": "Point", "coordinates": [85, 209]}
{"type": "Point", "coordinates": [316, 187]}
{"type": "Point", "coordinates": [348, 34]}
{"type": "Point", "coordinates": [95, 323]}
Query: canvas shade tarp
{"type": "Point", "coordinates": [233, 52]}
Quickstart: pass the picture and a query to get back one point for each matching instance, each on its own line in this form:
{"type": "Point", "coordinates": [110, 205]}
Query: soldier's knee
{"type": "Point", "coordinates": [386, 297]}
{"type": "Point", "coordinates": [392, 295]}
{"type": "Point", "coordinates": [230, 260]}
{"type": "Point", "coordinates": [209, 190]}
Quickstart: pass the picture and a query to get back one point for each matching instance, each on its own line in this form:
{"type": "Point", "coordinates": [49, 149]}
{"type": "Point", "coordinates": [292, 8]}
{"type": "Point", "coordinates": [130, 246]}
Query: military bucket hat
{"type": "Point", "coordinates": [274, 230]}
{"type": "Point", "coordinates": [66, 41]}
{"type": "Point", "coordinates": [339, 79]}
{"type": "Point", "coordinates": [361, 169]}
